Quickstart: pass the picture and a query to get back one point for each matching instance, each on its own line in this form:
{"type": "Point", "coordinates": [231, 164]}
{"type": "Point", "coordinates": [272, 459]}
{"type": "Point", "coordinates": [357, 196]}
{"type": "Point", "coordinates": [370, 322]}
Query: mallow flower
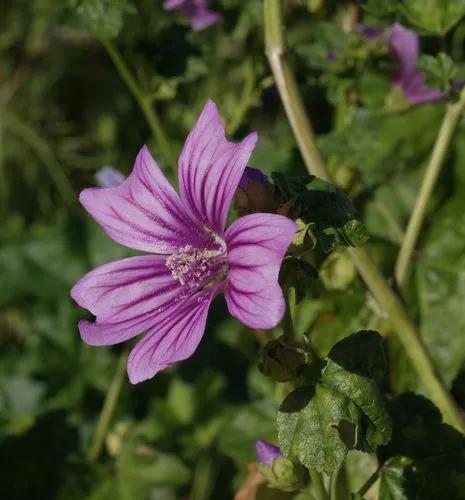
{"type": "Point", "coordinates": [197, 11]}
{"type": "Point", "coordinates": [166, 295]}
{"type": "Point", "coordinates": [404, 51]}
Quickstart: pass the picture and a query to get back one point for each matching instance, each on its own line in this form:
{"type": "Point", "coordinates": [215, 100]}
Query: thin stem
{"type": "Point", "coordinates": [145, 102]}
{"type": "Point", "coordinates": [449, 124]}
{"type": "Point", "coordinates": [318, 486]}
{"type": "Point", "coordinates": [375, 281]}
{"type": "Point", "coordinates": [108, 408]}
{"type": "Point", "coordinates": [204, 478]}
{"type": "Point", "coordinates": [41, 148]}
{"type": "Point", "coordinates": [370, 481]}
{"type": "Point", "coordinates": [333, 484]}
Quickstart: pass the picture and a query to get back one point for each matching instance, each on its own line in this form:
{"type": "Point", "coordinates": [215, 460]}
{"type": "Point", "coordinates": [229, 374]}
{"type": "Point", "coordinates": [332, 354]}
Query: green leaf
{"type": "Point", "coordinates": [392, 485]}
{"type": "Point", "coordinates": [356, 367]}
{"type": "Point", "coordinates": [434, 16]}
{"type": "Point", "coordinates": [328, 213]}
{"type": "Point", "coordinates": [440, 278]}
{"type": "Point", "coordinates": [440, 71]}
{"type": "Point", "coordinates": [422, 447]}
{"type": "Point", "coordinates": [307, 427]}
{"type": "Point", "coordinates": [100, 18]}
{"type": "Point", "coordinates": [345, 410]}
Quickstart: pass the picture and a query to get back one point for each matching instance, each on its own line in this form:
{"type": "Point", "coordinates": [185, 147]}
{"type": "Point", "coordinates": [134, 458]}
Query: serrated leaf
{"type": "Point", "coordinates": [356, 366]}
{"type": "Point", "coordinates": [344, 410]}
{"type": "Point", "coordinates": [100, 18]}
{"type": "Point", "coordinates": [328, 213]}
{"type": "Point", "coordinates": [392, 485]}
{"type": "Point", "coordinates": [434, 16]}
{"type": "Point", "coordinates": [311, 433]}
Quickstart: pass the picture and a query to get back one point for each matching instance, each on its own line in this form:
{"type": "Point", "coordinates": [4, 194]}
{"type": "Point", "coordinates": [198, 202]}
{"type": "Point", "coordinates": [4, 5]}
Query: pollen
{"type": "Point", "coordinates": [197, 268]}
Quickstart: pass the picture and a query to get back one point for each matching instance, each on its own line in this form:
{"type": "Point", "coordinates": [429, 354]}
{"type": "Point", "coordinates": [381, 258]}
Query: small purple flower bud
{"type": "Point", "coordinates": [108, 177]}
{"type": "Point", "coordinates": [267, 453]}
{"type": "Point", "coordinates": [252, 174]}
{"type": "Point", "coordinates": [331, 56]}
{"type": "Point", "coordinates": [369, 32]}
{"type": "Point", "coordinates": [197, 11]}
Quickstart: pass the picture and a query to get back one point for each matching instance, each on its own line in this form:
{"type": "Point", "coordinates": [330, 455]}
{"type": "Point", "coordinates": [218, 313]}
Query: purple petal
{"type": "Point", "coordinates": [404, 49]}
{"type": "Point", "coordinates": [267, 453]}
{"type": "Point", "coordinates": [125, 296]}
{"type": "Point", "coordinates": [144, 212]}
{"type": "Point", "coordinates": [108, 177]}
{"type": "Point", "coordinates": [210, 168]}
{"type": "Point", "coordinates": [252, 175]}
{"type": "Point", "coordinates": [256, 245]}
{"type": "Point", "coordinates": [174, 338]}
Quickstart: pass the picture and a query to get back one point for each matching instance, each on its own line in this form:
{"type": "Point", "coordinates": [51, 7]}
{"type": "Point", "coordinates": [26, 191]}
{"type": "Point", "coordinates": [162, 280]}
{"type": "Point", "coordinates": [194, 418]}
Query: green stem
{"type": "Point", "coordinates": [449, 124]}
{"type": "Point", "coordinates": [145, 102]}
{"type": "Point", "coordinates": [288, 89]}
{"type": "Point", "coordinates": [204, 478]}
{"type": "Point", "coordinates": [41, 148]}
{"type": "Point", "coordinates": [108, 408]}
{"type": "Point", "coordinates": [318, 486]}
{"type": "Point", "coordinates": [333, 484]}
{"type": "Point", "coordinates": [375, 281]}
{"type": "Point", "coordinates": [370, 482]}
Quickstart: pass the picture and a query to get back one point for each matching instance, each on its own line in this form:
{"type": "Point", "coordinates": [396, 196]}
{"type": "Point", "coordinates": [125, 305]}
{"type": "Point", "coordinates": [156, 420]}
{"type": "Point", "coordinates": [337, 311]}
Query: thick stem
{"type": "Point", "coordinates": [377, 284]}
{"type": "Point", "coordinates": [108, 408]}
{"type": "Point", "coordinates": [449, 124]}
{"type": "Point", "coordinates": [145, 102]}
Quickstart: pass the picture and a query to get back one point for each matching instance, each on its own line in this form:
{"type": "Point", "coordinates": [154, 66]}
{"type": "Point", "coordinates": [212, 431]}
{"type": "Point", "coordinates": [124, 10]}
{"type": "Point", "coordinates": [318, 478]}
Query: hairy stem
{"type": "Point", "coordinates": [145, 102]}
{"type": "Point", "coordinates": [449, 124]}
{"type": "Point", "coordinates": [108, 408]}
{"type": "Point", "coordinates": [375, 281]}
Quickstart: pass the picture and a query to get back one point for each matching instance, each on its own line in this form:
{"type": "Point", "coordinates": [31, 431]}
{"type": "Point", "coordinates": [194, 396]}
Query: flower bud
{"type": "Point", "coordinates": [108, 177]}
{"type": "Point", "coordinates": [281, 473]}
{"type": "Point", "coordinates": [281, 361]}
{"type": "Point", "coordinates": [337, 271]}
{"type": "Point", "coordinates": [254, 194]}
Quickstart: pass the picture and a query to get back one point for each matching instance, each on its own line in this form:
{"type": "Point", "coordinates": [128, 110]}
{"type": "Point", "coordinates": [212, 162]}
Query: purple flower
{"type": "Point", "coordinates": [167, 295]}
{"type": "Point", "coordinates": [369, 32]}
{"type": "Point", "coordinates": [108, 177]}
{"type": "Point", "coordinates": [404, 50]}
{"type": "Point", "coordinates": [196, 10]}
{"type": "Point", "coordinates": [252, 175]}
{"type": "Point", "coordinates": [267, 453]}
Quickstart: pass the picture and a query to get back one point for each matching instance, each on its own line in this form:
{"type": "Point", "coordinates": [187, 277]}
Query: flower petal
{"type": "Point", "coordinates": [210, 168]}
{"type": "Point", "coordinates": [125, 296]}
{"type": "Point", "coordinates": [256, 245]}
{"type": "Point", "coordinates": [144, 212]}
{"type": "Point", "coordinates": [174, 338]}
{"type": "Point", "coordinates": [404, 48]}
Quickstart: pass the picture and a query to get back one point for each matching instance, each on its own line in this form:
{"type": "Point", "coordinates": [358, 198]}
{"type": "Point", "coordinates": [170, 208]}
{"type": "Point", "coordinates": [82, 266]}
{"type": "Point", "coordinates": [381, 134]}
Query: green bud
{"type": "Point", "coordinates": [337, 271]}
{"type": "Point", "coordinates": [285, 474]}
{"type": "Point", "coordinates": [283, 361]}
{"type": "Point", "coordinates": [297, 274]}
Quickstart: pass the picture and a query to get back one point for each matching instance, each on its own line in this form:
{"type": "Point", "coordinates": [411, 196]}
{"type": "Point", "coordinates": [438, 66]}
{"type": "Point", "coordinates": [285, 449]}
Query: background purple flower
{"type": "Point", "coordinates": [197, 11]}
{"type": "Point", "coordinates": [166, 296]}
{"type": "Point", "coordinates": [267, 453]}
{"type": "Point", "coordinates": [404, 51]}
{"type": "Point", "coordinates": [108, 177]}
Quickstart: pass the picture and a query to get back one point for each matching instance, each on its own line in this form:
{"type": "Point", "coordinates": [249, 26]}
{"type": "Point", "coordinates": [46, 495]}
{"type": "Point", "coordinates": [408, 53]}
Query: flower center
{"type": "Point", "coordinates": [196, 268]}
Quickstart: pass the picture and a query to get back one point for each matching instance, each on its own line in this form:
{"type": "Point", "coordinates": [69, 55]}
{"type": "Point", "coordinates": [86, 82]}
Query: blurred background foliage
{"type": "Point", "coordinates": [65, 112]}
